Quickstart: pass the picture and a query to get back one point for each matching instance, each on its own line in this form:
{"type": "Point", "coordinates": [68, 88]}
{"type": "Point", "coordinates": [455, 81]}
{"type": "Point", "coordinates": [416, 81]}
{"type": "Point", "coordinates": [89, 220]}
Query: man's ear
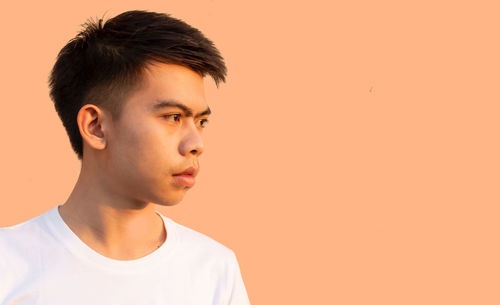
{"type": "Point", "coordinates": [90, 122]}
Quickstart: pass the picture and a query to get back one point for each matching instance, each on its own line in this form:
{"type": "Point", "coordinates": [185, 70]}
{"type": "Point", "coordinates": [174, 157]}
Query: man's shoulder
{"type": "Point", "coordinates": [23, 229]}
{"type": "Point", "coordinates": [196, 242]}
{"type": "Point", "coordinates": [20, 246]}
{"type": "Point", "coordinates": [21, 235]}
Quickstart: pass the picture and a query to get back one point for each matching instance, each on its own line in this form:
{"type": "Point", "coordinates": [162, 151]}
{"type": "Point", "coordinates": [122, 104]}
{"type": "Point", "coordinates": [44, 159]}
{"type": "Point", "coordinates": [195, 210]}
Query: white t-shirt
{"type": "Point", "coordinates": [43, 262]}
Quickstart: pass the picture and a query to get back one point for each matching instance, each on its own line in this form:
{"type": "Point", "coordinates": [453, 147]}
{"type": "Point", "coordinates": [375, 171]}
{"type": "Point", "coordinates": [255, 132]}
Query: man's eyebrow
{"type": "Point", "coordinates": [172, 103]}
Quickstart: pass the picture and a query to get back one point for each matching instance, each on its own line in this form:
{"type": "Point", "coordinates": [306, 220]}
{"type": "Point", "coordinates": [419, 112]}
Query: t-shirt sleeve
{"type": "Point", "coordinates": [237, 291]}
{"type": "Point", "coordinates": [6, 266]}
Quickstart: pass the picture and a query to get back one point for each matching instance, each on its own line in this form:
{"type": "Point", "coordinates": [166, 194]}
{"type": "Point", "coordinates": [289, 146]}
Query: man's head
{"type": "Point", "coordinates": [105, 62]}
{"type": "Point", "coordinates": [131, 97]}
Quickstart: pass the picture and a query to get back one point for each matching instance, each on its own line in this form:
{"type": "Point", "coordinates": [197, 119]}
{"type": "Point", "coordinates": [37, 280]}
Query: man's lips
{"type": "Point", "coordinates": [186, 177]}
{"type": "Point", "coordinates": [187, 180]}
{"type": "Point", "coordinates": [188, 171]}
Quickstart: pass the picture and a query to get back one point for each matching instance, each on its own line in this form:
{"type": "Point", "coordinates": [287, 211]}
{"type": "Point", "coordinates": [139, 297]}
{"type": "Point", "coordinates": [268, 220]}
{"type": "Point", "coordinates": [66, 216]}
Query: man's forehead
{"type": "Point", "coordinates": [154, 70]}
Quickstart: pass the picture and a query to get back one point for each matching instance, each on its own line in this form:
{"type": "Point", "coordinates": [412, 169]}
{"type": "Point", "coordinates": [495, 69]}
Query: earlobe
{"type": "Point", "coordinates": [90, 124]}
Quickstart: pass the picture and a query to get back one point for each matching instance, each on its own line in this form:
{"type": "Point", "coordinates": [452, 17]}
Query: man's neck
{"type": "Point", "coordinates": [113, 226]}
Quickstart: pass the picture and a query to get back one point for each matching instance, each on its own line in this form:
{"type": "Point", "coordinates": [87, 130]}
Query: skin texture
{"type": "Point", "coordinates": [128, 164]}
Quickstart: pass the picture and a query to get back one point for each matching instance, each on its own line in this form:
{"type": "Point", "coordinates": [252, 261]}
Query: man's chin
{"type": "Point", "coordinates": [170, 201]}
{"type": "Point", "coordinates": [165, 204]}
{"type": "Point", "coordinates": [170, 198]}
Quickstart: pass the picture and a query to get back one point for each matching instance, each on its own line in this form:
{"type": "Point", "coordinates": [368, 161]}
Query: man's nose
{"type": "Point", "coordinates": [191, 143]}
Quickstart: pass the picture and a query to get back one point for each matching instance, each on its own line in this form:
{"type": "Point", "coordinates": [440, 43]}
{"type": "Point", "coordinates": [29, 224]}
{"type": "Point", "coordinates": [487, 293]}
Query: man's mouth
{"type": "Point", "coordinates": [188, 171]}
{"type": "Point", "coordinates": [186, 177]}
{"type": "Point", "coordinates": [187, 180]}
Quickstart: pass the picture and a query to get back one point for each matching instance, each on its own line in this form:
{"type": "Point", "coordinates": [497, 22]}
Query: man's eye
{"type": "Point", "coordinates": [174, 116]}
{"type": "Point", "coordinates": [203, 123]}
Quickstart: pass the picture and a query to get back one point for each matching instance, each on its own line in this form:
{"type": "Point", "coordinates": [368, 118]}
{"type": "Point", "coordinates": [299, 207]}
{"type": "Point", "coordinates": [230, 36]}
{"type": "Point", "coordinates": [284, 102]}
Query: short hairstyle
{"type": "Point", "coordinates": [106, 61]}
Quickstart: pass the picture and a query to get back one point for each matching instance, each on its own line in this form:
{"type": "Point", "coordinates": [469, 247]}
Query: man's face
{"type": "Point", "coordinates": [158, 135]}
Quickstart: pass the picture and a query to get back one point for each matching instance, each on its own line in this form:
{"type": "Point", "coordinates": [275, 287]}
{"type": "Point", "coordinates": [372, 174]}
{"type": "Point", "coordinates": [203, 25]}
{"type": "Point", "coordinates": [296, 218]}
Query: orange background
{"type": "Point", "coordinates": [352, 157]}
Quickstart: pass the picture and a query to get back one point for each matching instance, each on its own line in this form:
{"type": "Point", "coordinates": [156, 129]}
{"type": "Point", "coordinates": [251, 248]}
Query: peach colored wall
{"type": "Point", "coordinates": [352, 158]}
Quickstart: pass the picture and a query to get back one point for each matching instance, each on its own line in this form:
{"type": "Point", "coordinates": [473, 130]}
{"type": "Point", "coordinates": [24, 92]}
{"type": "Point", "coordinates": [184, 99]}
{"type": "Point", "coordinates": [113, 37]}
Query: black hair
{"type": "Point", "coordinates": [105, 62]}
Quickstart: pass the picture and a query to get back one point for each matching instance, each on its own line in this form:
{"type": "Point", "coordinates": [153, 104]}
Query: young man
{"type": "Point", "coordinates": [130, 95]}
